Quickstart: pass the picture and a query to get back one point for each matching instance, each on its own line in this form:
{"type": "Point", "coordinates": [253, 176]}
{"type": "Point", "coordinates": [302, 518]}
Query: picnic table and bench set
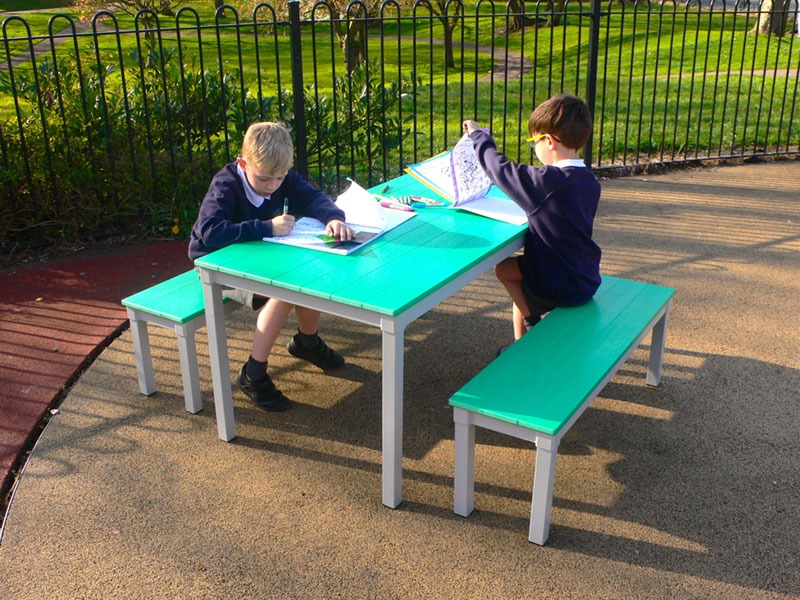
{"type": "Point", "coordinates": [535, 390]}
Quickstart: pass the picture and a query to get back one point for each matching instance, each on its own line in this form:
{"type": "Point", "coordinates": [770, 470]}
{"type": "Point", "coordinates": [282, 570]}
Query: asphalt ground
{"type": "Point", "coordinates": [687, 490]}
{"type": "Point", "coordinates": [57, 312]}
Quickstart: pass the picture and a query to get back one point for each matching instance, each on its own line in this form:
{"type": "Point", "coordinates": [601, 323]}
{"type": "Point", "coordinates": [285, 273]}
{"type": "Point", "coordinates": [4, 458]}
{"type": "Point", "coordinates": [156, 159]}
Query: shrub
{"type": "Point", "coordinates": [106, 151]}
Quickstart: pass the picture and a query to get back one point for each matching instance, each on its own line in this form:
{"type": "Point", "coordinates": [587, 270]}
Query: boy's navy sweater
{"type": "Point", "coordinates": [226, 216]}
{"type": "Point", "coordinates": [561, 262]}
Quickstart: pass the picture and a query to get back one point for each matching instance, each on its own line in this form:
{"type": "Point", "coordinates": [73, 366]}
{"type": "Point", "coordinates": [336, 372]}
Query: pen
{"type": "Point", "coordinates": [286, 205]}
{"type": "Point", "coordinates": [396, 206]}
{"type": "Point", "coordinates": [385, 189]}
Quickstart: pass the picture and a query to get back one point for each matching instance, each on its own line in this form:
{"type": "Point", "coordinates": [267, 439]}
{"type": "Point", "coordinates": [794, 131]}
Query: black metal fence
{"type": "Point", "coordinates": [117, 124]}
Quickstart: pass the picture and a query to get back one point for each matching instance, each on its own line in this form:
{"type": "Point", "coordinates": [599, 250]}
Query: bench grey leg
{"type": "Point", "coordinates": [141, 350]}
{"type": "Point", "coordinates": [190, 373]}
{"type": "Point", "coordinates": [187, 350]}
{"type": "Point", "coordinates": [543, 480]}
{"type": "Point", "coordinates": [464, 477]}
{"type": "Point", "coordinates": [657, 344]}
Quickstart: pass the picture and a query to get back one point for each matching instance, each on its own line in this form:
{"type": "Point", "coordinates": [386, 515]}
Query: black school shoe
{"type": "Point", "coordinates": [264, 393]}
{"type": "Point", "coordinates": [321, 356]}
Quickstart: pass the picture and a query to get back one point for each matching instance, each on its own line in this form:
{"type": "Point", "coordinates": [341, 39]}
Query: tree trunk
{"type": "Point", "coordinates": [355, 45]}
{"type": "Point", "coordinates": [549, 15]}
{"type": "Point", "coordinates": [449, 59]}
{"type": "Point", "coordinates": [449, 25]}
{"type": "Point", "coordinates": [217, 5]}
{"type": "Point", "coordinates": [516, 18]}
{"type": "Point", "coordinates": [773, 17]}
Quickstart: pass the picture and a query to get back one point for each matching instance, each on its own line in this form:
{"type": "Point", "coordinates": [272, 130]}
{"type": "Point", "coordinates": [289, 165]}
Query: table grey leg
{"type": "Point", "coordinates": [392, 394]}
{"type": "Point", "coordinates": [218, 352]}
{"type": "Point", "coordinates": [464, 473]}
{"type": "Point", "coordinates": [657, 344]}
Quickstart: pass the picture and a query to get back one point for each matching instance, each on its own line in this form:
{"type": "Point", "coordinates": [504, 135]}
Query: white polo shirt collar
{"type": "Point", "coordinates": [569, 162]}
{"type": "Point", "coordinates": [255, 199]}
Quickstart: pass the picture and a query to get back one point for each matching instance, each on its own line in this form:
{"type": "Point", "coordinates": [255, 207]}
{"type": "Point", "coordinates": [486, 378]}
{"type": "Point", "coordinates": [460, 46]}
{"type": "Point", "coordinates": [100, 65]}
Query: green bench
{"type": "Point", "coordinates": [539, 387]}
{"type": "Point", "coordinates": [176, 304]}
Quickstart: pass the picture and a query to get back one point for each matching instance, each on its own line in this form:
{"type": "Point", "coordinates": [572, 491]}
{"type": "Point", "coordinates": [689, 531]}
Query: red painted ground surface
{"type": "Point", "coordinates": [54, 317]}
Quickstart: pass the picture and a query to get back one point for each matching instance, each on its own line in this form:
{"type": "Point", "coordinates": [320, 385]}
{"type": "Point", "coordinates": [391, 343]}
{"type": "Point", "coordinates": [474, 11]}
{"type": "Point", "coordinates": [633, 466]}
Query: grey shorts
{"type": "Point", "coordinates": [245, 298]}
{"type": "Point", "coordinates": [538, 306]}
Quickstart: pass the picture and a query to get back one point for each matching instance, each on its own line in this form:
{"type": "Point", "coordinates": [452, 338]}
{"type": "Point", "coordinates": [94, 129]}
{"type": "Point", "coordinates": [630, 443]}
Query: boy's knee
{"type": "Point", "coordinates": [507, 269]}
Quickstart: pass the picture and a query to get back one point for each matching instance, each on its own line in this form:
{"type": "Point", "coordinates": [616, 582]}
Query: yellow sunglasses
{"type": "Point", "coordinates": [532, 141]}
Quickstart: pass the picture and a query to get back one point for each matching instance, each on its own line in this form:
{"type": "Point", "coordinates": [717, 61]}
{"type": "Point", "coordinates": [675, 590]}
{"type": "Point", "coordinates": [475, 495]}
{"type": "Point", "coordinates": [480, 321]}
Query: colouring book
{"type": "Point", "coordinates": [458, 177]}
{"type": "Point", "coordinates": [362, 212]}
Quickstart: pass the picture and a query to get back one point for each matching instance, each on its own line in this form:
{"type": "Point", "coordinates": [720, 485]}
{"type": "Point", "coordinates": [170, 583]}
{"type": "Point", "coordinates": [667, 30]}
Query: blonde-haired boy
{"type": "Point", "coordinates": [245, 201]}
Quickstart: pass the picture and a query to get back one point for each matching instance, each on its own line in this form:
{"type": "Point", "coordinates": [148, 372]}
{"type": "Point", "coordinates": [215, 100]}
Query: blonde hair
{"type": "Point", "coordinates": [268, 146]}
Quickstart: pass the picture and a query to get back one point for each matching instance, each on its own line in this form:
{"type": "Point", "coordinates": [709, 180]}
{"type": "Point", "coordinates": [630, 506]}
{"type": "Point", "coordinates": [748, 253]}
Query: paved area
{"type": "Point", "coordinates": [55, 316]}
{"type": "Point", "coordinates": [687, 490]}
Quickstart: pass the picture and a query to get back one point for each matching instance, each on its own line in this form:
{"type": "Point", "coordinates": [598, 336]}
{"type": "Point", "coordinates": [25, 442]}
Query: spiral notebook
{"type": "Point", "coordinates": [458, 177]}
{"type": "Point", "coordinates": [362, 212]}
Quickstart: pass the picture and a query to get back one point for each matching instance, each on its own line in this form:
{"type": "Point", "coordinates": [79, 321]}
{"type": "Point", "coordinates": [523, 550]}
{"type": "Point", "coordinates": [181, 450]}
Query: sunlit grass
{"type": "Point", "coordinates": [669, 80]}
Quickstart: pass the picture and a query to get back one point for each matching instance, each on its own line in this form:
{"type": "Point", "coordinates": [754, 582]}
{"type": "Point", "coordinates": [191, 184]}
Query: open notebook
{"type": "Point", "coordinates": [362, 212]}
{"type": "Point", "coordinates": [458, 177]}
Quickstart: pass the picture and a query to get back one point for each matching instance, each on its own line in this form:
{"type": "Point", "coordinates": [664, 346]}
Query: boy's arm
{"type": "Point", "coordinates": [516, 180]}
{"type": "Point", "coordinates": [217, 225]}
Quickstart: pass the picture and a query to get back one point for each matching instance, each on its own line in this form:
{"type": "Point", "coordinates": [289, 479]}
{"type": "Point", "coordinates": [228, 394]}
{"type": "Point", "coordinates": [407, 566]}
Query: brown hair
{"type": "Point", "coordinates": [563, 116]}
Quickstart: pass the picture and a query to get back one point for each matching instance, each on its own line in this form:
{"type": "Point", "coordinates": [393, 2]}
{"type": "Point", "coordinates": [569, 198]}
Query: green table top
{"type": "Point", "coordinates": [386, 276]}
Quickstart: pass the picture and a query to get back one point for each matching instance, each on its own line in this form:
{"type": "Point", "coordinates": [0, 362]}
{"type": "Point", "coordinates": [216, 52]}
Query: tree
{"type": "Point", "coordinates": [352, 35]}
{"type": "Point", "coordinates": [551, 15]}
{"type": "Point", "coordinates": [449, 23]}
{"type": "Point", "coordinates": [773, 17]}
{"type": "Point", "coordinates": [350, 23]}
{"type": "Point", "coordinates": [217, 5]}
{"type": "Point", "coordinates": [131, 7]}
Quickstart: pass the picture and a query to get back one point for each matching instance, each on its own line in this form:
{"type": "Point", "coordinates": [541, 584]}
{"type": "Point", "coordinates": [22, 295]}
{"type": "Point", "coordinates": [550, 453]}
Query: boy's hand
{"type": "Point", "coordinates": [470, 126]}
{"type": "Point", "coordinates": [282, 225]}
{"type": "Point", "coordinates": [340, 229]}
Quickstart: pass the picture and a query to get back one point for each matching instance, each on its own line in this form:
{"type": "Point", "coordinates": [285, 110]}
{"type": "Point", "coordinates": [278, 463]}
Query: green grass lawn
{"type": "Point", "coordinates": [651, 69]}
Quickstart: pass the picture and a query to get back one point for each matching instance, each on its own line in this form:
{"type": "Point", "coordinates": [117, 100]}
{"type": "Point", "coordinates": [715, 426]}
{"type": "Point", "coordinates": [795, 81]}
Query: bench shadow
{"type": "Point", "coordinates": [714, 499]}
{"type": "Point", "coordinates": [709, 492]}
